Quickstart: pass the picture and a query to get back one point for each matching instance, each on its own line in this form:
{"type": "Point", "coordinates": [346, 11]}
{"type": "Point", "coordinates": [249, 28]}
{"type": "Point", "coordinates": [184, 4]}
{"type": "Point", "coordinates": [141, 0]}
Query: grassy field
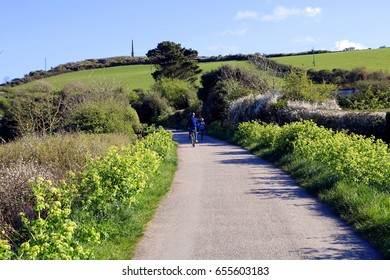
{"type": "Point", "coordinates": [131, 77]}
{"type": "Point", "coordinates": [377, 59]}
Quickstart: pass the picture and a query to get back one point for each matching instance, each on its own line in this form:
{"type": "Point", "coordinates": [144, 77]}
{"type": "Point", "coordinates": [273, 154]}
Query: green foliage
{"type": "Point", "coordinates": [100, 107]}
{"type": "Point", "coordinates": [120, 175]}
{"type": "Point", "coordinates": [216, 129]}
{"type": "Point", "coordinates": [52, 235]}
{"type": "Point", "coordinates": [369, 95]}
{"type": "Point", "coordinates": [221, 87]}
{"type": "Point", "coordinates": [114, 181]}
{"type": "Point", "coordinates": [124, 226]}
{"type": "Point", "coordinates": [255, 135]}
{"type": "Point", "coordinates": [298, 87]}
{"type": "Point", "coordinates": [173, 61]}
{"type": "Point", "coordinates": [4, 105]}
{"type": "Point", "coordinates": [5, 250]}
{"type": "Point", "coordinates": [151, 106]}
{"type": "Point", "coordinates": [104, 117]}
{"type": "Point", "coordinates": [38, 112]}
{"type": "Point", "coordinates": [180, 94]}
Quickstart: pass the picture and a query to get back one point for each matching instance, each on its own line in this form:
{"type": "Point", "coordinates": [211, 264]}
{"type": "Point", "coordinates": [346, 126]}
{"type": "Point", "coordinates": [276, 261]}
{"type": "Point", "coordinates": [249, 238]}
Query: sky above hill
{"type": "Point", "coordinates": [40, 34]}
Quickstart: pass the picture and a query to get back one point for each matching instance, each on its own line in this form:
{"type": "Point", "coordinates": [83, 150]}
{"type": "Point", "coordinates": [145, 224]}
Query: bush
{"type": "Point", "coordinates": [4, 105]}
{"type": "Point", "coordinates": [39, 112]}
{"type": "Point", "coordinates": [151, 106]}
{"type": "Point", "coordinates": [223, 86]}
{"type": "Point", "coordinates": [179, 93]}
{"type": "Point", "coordinates": [298, 87]}
{"type": "Point", "coordinates": [369, 95]}
{"type": "Point", "coordinates": [104, 117]}
{"type": "Point", "coordinates": [98, 107]}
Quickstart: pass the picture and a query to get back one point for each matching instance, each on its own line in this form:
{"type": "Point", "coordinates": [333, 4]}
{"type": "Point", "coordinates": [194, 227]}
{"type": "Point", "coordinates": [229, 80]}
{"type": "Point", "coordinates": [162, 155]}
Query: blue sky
{"type": "Point", "coordinates": [61, 31]}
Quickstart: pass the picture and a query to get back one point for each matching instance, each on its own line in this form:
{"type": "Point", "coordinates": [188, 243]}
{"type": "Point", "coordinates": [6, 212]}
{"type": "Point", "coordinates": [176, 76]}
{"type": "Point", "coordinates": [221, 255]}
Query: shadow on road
{"type": "Point", "coordinates": [355, 251]}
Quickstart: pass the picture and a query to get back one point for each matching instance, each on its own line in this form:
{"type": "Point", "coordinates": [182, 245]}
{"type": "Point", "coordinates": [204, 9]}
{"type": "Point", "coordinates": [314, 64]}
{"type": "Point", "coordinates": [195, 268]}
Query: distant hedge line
{"type": "Point", "coordinates": [78, 66]}
{"type": "Point", "coordinates": [104, 63]}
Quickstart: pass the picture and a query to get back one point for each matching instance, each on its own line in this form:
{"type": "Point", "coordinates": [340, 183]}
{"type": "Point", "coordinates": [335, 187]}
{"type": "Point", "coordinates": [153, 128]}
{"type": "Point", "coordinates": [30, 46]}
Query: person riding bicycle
{"type": "Point", "coordinates": [201, 127]}
{"type": "Point", "coordinates": [192, 125]}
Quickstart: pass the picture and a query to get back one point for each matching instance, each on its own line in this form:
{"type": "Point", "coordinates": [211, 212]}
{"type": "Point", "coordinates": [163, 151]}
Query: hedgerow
{"type": "Point", "coordinates": [50, 232]}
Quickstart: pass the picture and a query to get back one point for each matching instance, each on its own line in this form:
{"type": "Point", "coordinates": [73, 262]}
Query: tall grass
{"type": "Point", "coordinates": [48, 157]}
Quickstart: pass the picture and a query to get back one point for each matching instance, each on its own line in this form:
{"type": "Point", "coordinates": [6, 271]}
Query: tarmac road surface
{"type": "Point", "coordinates": [228, 204]}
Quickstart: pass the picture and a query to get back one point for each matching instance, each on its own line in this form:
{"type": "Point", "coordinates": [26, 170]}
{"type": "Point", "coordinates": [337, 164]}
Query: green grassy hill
{"type": "Point", "coordinates": [378, 59]}
{"type": "Point", "coordinates": [132, 76]}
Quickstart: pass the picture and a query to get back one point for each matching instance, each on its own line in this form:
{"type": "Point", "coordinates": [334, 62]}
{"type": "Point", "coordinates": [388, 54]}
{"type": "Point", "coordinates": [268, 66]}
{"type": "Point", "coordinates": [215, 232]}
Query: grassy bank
{"type": "Point", "coordinates": [127, 224]}
{"type": "Point", "coordinates": [97, 211]}
{"type": "Point", "coordinates": [130, 77]}
{"type": "Point", "coordinates": [370, 59]}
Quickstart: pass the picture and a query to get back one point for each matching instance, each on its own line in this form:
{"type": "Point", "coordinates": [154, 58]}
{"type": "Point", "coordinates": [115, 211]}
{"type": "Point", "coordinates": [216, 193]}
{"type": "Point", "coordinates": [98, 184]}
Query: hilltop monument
{"type": "Point", "coordinates": [132, 48]}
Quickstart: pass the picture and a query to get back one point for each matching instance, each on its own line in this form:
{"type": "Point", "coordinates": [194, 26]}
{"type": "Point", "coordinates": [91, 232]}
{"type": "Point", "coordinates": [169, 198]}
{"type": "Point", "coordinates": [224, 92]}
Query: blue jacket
{"type": "Point", "coordinates": [192, 123]}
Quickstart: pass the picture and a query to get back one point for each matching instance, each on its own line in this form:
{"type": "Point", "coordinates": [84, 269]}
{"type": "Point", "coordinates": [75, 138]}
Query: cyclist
{"type": "Point", "coordinates": [192, 125]}
{"type": "Point", "coordinates": [201, 127]}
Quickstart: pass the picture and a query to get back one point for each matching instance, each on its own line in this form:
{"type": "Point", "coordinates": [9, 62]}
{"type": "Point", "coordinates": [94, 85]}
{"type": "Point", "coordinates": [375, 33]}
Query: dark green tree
{"type": "Point", "coordinates": [173, 61]}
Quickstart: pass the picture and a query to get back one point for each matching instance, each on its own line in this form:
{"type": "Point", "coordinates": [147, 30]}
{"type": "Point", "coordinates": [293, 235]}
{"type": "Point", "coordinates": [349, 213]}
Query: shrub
{"type": "Point", "coordinates": [41, 86]}
{"type": "Point", "coordinates": [255, 135]}
{"type": "Point", "coordinates": [179, 93]}
{"type": "Point", "coordinates": [262, 107]}
{"type": "Point", "coordinates": [369, 95]}
{"type": "Point", "coordinates": [225, 85]}
{"type": "Point", "coordinates": [104, 117]}
{"type": "Point", "coordinates": [52, 235]}
{"type": "Point", "coordinates": [151, 106]}
{"type": "Point", "coordinates": [38, 112]}
{"type": "Point", "coordinates": [4, 105]}
{"type": "Point", "coordinates": [298, 87]}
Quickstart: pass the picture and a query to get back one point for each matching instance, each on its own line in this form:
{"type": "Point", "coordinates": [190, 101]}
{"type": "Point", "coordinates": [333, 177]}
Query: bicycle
{"type": "Point", "coordinates": [193, 138]}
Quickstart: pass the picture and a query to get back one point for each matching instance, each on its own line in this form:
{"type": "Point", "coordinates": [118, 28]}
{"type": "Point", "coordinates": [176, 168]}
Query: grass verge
{"type": "Point", "coordinates": [123, 226]}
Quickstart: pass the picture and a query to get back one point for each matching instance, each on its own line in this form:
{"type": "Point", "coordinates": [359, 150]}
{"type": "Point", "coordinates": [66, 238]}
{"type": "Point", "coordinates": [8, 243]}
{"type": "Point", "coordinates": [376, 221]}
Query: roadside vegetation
{"type": "Point", "coordinates": [82, 168]}
{"type": "Point", "coordinates": [74, 218]}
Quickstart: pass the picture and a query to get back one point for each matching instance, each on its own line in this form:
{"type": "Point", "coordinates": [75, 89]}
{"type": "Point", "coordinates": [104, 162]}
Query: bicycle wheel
{"type": "Point", "coordinates": [193, 139]}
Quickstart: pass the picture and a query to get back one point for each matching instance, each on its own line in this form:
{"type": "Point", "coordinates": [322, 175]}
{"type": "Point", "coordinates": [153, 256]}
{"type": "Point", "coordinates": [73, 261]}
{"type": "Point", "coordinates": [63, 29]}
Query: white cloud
{"type": "Point", "coordinates": [236, 32]}
{"type": "Point", "coordinates": [280, 13]}
{"type": "Point", "coordinates": [247, 15]}
{"type": "Point", "coordinates": [343, 44]}
{"type": "Point", "coordinates": [312, 12]}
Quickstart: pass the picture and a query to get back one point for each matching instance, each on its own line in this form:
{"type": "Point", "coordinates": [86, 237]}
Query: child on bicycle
{"type": "Point", "coordinates": [192, 125]}
{"type": "Point", "coordinates": [201, 127]}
